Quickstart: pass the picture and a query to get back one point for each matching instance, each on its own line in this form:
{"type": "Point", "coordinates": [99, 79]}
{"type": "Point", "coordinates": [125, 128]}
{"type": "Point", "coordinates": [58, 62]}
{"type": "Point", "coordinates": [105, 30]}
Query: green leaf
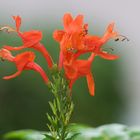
{"type": "Point", "coordinates": [114, 132]}
{"type": "Point", "coordinates": [48, 137]}
{"type": "Point", "coordinates": [73, 136]}
{"type": "Point", "coordinates": [105, 132]}
{"type": "Point", "coordinates": [134, 133]}
{"type": "Point", "coordinates": [53, 107]}
{"type": "Point", "coordinates": [85, 132]}
{"type": "Point", "coordinates": [82, 132]}
{"type": "Point", "coordinates": [24, 135]}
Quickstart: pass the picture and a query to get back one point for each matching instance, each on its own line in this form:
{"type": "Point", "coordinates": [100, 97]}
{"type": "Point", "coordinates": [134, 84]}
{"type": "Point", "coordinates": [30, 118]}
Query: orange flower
{"type": "Point", "coordinates": [79, 68]}
{"type": "Point", "coordinates": [23, 61]}
{"type": "Point", "coordinates": [95, 43]}
{"type": "Point", "coordinates": [71, 38]}
{"type": "Point", "coordinates": [31, 39]}
{"type": "Point", "coordinates": [6, 55]}
{"type": "Point", "coordinates": [74, 40]}
{"type": "Point", "coordinates": [72, 35]}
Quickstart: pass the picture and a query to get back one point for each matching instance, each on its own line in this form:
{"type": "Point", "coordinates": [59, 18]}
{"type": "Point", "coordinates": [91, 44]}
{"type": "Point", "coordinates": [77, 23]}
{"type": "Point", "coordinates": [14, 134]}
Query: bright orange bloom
{"type": "Point", "coordinates": [6, 55]}
{"type": "Point", "coordinates": [79, 68]}
{"type": "Point", "coordinates": [71, 38]}
{"type": "Point", "coordinates": [23, 61]}
{"type": "Point", "coordinates": [31, 39]}
{"type": "Point", "coordinates": [94, 43]}
{"type": "Point", "coordinates": [72, 35]}
{"type": "Point", "coordinates": [75, 39]}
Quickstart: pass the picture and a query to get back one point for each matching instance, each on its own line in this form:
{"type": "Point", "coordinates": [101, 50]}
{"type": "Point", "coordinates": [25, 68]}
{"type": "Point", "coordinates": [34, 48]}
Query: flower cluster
{"type": "Point", "coordinates": [74, 41]}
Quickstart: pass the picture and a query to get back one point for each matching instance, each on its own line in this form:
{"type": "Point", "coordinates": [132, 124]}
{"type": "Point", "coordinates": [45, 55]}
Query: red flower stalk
{"type": "Point", "coordinates": [23, 61]}
{"type": "Point", "coordinates": [31, 39]}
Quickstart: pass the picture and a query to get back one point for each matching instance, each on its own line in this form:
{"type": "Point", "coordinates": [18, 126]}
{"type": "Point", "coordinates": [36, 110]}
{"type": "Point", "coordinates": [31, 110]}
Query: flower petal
{"type": "Point", "coordinates": [34, 66]}
{"type": "Point", "coordinates": [25, 61]}
{"type": "Point", "coordinates": [91, 41]}
{"type": "Point", "coordinates": [110, 27]}
{"type": "Point", "coordinates": [70, 71]}
{"type": "Point", "coordinates": [18, 22]}
{"type": "Point", "coordinates": [78, 23]}
{"type": "Point", "coordinates": [6, 54]}
{"type": "Point", "coordinates": [67, 19]}
{"type": "Point", "coordinates": [58, 35]}
{"type": "Point", "coordinates": [110, 30]}
{"type": "Point", "coordinates": [41, 48]}
{"type": "Point", "coordinates": [10, 48]}
{"type": "Point", "coordinates": [12, 76]}
{"type": "Point", "coordinates": [108, 56]}
{"type": "Point", "coordinates": [109, 33]}
{"type": "Point", "coordinates": [31, 38]}
{"type": "Point", "coordinates": [22, 59]}
{"type": "Point", "coordinates": [91, 84]}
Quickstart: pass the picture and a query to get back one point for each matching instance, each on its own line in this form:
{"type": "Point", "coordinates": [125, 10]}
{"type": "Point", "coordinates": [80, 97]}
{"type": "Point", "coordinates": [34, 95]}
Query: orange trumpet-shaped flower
{"type": "Point", "coordinates": [79, 68]}
{"type": "Point", "coordinates": [6, 55]}
{"type": "Point", "coordinates": [31, 39]}
{"type": "Point", "coordinates": [23, 61]}
{"type": "Point", "coordinates": [94, 43]}
{"type": "Point", "coordinates": [75, 40]}
{"type": "Point", "coordinates": [72, 37]}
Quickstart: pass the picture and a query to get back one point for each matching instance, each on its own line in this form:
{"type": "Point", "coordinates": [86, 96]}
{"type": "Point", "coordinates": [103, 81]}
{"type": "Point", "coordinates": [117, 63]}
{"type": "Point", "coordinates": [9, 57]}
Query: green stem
{"type": "Point", "coordinates": [61, 106]}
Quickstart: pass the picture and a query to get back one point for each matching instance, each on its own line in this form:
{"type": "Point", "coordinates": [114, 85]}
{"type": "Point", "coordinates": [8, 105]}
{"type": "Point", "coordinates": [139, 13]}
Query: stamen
{"type": "Point", "coordinates": [121, 38]}
{"type": "Point", "coordinates": [70, 49]}
{"type": "Point", "coordinates": [124, 38]}
{"type": "Point", "coordinates": [111, 49]}
{"type": "Point", "coordinates": [117, 39]}
{"type": "Point", "coordinates": [85, 30]}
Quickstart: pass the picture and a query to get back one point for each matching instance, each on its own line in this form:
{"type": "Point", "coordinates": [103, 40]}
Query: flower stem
{"type": "Point", "coordinates": [61, 106]}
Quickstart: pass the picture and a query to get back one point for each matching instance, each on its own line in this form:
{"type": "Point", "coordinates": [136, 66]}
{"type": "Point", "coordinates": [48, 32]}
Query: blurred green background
{"type": "Point", "coordinates": [24, 100]}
